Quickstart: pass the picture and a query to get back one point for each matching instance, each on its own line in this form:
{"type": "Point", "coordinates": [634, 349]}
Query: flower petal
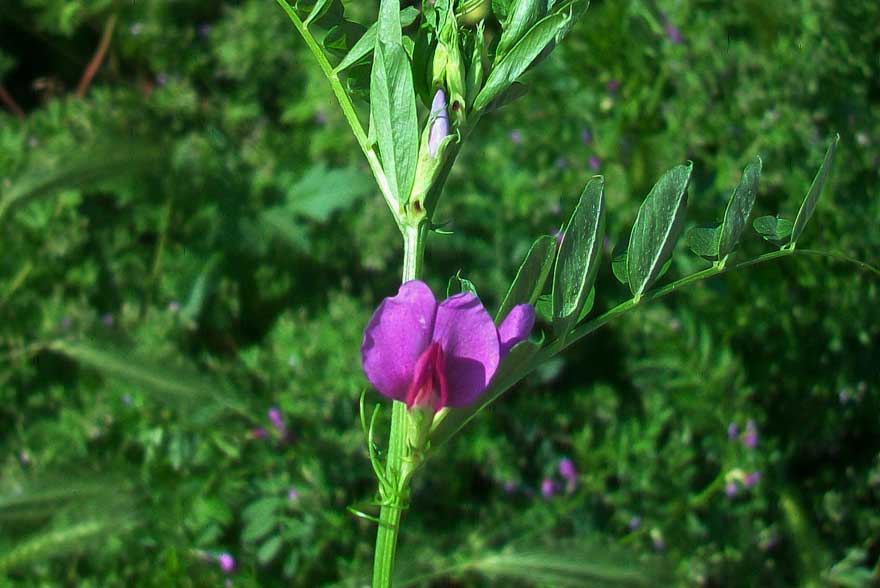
{"type": "Point", "coordinates": [470, 344]}
{"type": "Point", "coordinates": [396, 336]}
{"type": "Point", "coordinates": [516, 326]}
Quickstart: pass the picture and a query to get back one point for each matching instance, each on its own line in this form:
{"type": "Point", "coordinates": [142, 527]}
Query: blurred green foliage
{"type": "Point", "coordinates": [197, 240]}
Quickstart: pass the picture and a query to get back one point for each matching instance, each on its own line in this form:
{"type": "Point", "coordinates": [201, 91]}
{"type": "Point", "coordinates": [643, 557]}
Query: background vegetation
{"type": "Point", "coordinates": [191, 246]}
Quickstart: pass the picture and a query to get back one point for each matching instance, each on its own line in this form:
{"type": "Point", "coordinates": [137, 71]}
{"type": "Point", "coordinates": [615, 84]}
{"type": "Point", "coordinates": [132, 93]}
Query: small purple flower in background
{"type": "Point", "coordinates": [548, 488]}
{"type": "Point", "coordinates": [586, 135]}
{"type": "Point", "coordinates": [107, 319]}
{"type": "Point", "coordinates": [561, 162]}
{"type": "Point", "coordinates": [126, 399]}
{"type": "Point", "coordinates": [673, 33]}
{"type": "Point", "coordinates": [558, 234]}
{"type": "Point", "coordinates": [731, 489]}
{"type": "Point", "coordinates": [136, 29]}
{"type": "Point", "coordinates": [516, 137]}
{"type": "Point", "coordinates": [293, 494]}
{"type": "Point", "coordinates": [440, 122]}
{"type": "Point", "coordinates": [752, 479]}
{"type": "Point", "coordinates": [844, 396]}
{"type": "Point", "coordinates": [732, 431]}
{"type": "Point", "coordinates": [509, 487]}
{"type": "Point", "coordinates": [750, 437]}
{"type": "Point", "coordinates": [595, 161]}
{"type": "Point", "coordinates": [435, 355]}
{"type": "Point", "coordinates": [162, 79]}
{"type": "Point", "coordinates": [277, 420]}
{"type": "Point", "coordinates": [226, 561]}
{"type": "Point", "coordinates": [321, 117]}
{"type": "Point", "coordinates": [24, 457]}
{"type": "Point", "coordinates": [174, 306]}
{"type": "Point", "coordinates": [613, 85]}
{"type": "Point", "coordinates": [634, 523]}
{"type": "Point", "coordinates": [568, 471]}
{"type": "Point", "coordinates": [658, 540]}
{"type": "Point", "coordinates": [259, 433]}
{"type": "Point", "coordinates": [204, 29]}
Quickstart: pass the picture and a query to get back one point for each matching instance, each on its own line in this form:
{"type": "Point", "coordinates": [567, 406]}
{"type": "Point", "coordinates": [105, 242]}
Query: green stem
{"type": "Point", "coordinates": [347, 109]}
{"type": "Point", "coordinates": [393, 505]}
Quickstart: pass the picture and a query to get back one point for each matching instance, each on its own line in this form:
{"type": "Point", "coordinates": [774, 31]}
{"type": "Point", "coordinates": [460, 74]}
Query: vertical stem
{"type": "Point", "coordinates": [392, 509]}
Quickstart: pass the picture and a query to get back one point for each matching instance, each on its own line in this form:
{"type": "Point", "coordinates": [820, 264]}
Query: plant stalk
{"type": "Point", "coordinates": [394, 505]}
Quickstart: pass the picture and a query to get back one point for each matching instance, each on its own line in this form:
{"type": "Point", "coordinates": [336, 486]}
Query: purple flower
{"type": "Point", "coordinates": [731, 489]}
{"type": "Point", "coordinates": [558, 234]}
{"type": "Point", "coordinates": [509, 487]}
{"type": "Point", "coordinates": [732, 431]}
{"type": "Point", "coordinates": [136, 29]}
{"type": "Point", "coordinates": [595, 161]}
{"type": "Point", "coordinates": [516, 137]}
{"type": "Point", "coordinates": [750, 437]}
{"type": "Point", "coordinates": [440, 125]}
{"type": "Point", "coordinates": [635, 522]}
{"type": "Point", "coordinates": [428, 354]}
{"type": "Point", "coordinates": [276, 418]}
{"type": "Point", "coordinates": [752, 479]}
{"type": "Point", "coordinates": [226, 561]}
{"type": "Point", "coordinates": [204, 29]}
{"type": "Point", "coordinates": [567, 470]}
{"type": "Point", "coordinates": [174, 306]}
{"type": "Point", "coordinates": [293, 494]}
{"type": "Point", "coordinates": [259, 433]}
{"type": "Point", "coordinates": [162, 79]}
{"type": "Point", "coordinates": [586, 135]}
{"type": "Point", "coordinates": [107, 319]}
{"type": "Point", "coordinates": [673, 33]}
{"type": "Point", "coordinates": [613, 85]}
{"type": "Point", "coordinates": [548, 488]}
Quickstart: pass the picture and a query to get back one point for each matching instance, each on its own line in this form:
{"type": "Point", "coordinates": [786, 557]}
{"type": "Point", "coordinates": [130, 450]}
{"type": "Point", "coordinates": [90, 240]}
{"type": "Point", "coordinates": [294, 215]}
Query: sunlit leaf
{"type": "Point", "coordinates": [531, 276]}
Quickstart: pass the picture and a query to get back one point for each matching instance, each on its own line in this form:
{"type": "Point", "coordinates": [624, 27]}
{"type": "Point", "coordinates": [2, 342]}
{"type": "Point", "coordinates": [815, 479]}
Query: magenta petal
{"type": "Point", "coordinates": [396, 335]}
{"type": "Point", "coordinates": [470, 343]}
{"type": "Point", "coordinates": [516, 326]}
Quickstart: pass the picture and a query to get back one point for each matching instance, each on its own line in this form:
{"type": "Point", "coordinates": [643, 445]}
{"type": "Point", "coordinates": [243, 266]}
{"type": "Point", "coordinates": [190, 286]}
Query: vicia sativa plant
{"type": "Point", "coordinates": [429, 76]}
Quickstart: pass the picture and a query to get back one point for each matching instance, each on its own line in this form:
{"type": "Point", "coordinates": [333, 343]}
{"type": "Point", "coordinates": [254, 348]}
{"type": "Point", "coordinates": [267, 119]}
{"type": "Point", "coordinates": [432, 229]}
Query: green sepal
{"type": "Point", "coordinates": [457, 284]}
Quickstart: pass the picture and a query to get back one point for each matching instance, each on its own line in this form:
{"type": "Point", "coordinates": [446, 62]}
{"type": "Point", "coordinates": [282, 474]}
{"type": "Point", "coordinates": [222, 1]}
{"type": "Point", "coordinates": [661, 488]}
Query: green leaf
{"type": "Point", "coordinates": [588, 304]}
{"type": "Point", "coordinates": [501, 8]}
{"type": "Point", "coordinates": [520, 57]}
{"type": "Point", "coordinates": [578, 259]}
{"type": "Point", "coordinates": [458, 284]}
{"type": "Point", "coordinates": [657, 228]}
{"type": "Point", "coordinates": [364, 46]}
{"type": "Point", "coordinates": [809, 204]}
{"type": "Point", "coordinates": [389, 26]}
{"type": "Point", "coordinates": [704, 241]}
{"type": "Point", "coordinates": [523, 15]}
{"type": "Point", "coordinates": [739, 207]}
{"type": "Point", "coordinates": [531, 276]}
{"type": "Point", "coordinates": [261, 517]}
{"type": "Point", "coordinates": [394, 118]}
{"type": "Point", "coordinates": [618, 268]}
{"type": "Point", "coordinates": [317, 11]}
{"type": "Point", "coordinates": [320, 192]}
{"type": "Point", "coordinates": [269, 550]}
{"type": "Point", "coordinates": [775, 229]}
{"type": "Point", "coordinates": [544, 307]}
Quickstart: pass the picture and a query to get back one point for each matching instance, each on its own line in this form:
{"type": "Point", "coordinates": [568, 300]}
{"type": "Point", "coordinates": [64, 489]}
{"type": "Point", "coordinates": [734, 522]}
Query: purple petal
{"type": "Point", "coordinates": [516, 326]}
{"type": "Point", "coordinates": [440, 125]}
{"type": "Point", "coordinates": [396, 335]}
{"type": "Point", "coordinates": [470, 343]}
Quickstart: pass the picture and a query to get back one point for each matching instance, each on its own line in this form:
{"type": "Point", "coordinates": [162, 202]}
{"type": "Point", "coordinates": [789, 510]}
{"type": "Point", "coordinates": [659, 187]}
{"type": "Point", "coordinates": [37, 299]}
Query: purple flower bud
{"type": "Point", "coordinates": [516, 137]}
{"type": "Point", "coordinates": [613, 85]}
{"type": "Point", "coordinates": [226, 561]}
{"type": "Point", "coordinates": [752, 479]}
{"type": "Point", "coordinates": [162, 79]}
{"type": "Point", "coordinates": [277, 420]}
{"type": "Point", "coordinates": [732, 431]}
{"type": "Point", "coordinates": [731, 489]}
{"type": "Point", "coordinates": [567, 470]}
{"type": "Point", "coordinates": [634, 523]}
{"type": "Point", "coordinates": [509, 487]}
{"type": "Point", "coordinates": [293, 494]}
{"type": "Point", "coordinates": [174, 306]}
{"type": "Point", "coordinates": [586, 135]}
{"type": "Point", "coordinates": [548, 488]}
{"type": "Point", "coordinates": [673, 33]}
{"type": "Point", "coordinates": [439, 124]}
{"type": "Point", "coordinates": [595, 162]}
{"type": "Point", "coordinates": [259, 433]}
{"type": "Point", "coordinates": [750, 437]}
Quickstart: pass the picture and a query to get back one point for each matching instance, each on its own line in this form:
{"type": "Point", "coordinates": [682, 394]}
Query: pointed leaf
{"type": "Point", "coordinates": [364, 46]}
{"type": "Point", "coordinates": [704, 241]}
{"type": "Point", "coordinates": [809, 204]}
{"type": "Point", "coordinates": [739, 207]}
{"type": "Point", "coordinates": [520, 57]}
{"type": "Point", "coordinates": [578, 259]}
{"type": "Point", "coordinates": [531, 276]}
{"type": "Point", "coordinates": [618, 268]}
{"type": "Point", "coordinates": [458, 284]}
{"type": "Point", "coordinates": [317, 11]}
{"type": "Point", "coordinates": [389, 29]}
{"type": "Point", "coordinates": [523, 15]}
{"type": "Point", "coordinates": [393, 113]}
{"type": "Point", "coordinates": [588, 304]}
{"type": "Point", "coordinates": [657, 228]}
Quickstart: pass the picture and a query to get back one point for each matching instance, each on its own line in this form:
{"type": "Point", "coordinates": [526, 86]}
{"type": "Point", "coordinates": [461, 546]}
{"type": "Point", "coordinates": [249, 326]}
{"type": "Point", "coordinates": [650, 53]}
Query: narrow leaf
{"type": "Point", "coordinates": [389, 29]}
{"type": "Point", "coordinates": [320, 7]}
{"type": "Point", "coordinates": [531, 276]}
{"type": "Point", "coordinates": [364, 46]}
{"type": "Point", "coordinates": [520, 57]}
{"type": "Point", "coordinates": [809, 204]}
{"type": "Point", "coordinates": [704, 241]}
{"type": "Point", "coordinates": [522, 16]}
{"type": "Point", "coordinates": [657, 228]}
{"type": "Point", "coordinates": [393, 112]}
{"type": "Point", "coordinates": [739, 207]}
{"type": "Point", "coordinates": [578, 259]}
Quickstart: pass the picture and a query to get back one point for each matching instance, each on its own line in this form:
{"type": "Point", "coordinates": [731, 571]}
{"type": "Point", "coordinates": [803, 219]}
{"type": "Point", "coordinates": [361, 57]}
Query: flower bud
{"type": "Point", "coordinates": [438, 122]}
